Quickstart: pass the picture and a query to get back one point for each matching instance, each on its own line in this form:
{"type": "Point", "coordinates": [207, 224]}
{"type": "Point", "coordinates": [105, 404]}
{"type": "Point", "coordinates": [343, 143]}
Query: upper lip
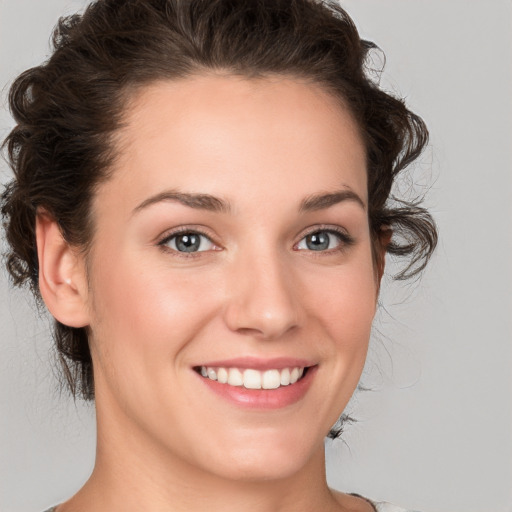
{"type": "Point", "coordinates": [255, 363]}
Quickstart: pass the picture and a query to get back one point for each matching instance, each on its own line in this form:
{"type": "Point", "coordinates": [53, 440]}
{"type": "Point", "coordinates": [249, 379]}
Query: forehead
{"type": "Point", "coordinates": [226, 134]}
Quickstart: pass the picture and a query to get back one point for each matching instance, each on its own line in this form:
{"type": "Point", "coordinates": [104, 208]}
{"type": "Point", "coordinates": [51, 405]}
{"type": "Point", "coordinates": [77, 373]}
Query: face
{"type": "Point", "coordinates": [232, 288]}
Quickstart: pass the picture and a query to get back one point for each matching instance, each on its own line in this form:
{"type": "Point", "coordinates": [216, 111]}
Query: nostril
{"type": "Point", "coordinates": [262, 307]}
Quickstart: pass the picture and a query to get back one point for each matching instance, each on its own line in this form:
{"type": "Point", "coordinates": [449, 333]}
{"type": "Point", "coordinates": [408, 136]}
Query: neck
{"type": "Point", "coordinates": [133, 472]}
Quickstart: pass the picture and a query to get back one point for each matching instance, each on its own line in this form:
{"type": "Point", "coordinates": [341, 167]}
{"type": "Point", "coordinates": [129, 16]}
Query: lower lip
{"type": "Point", "coordinates": [263, 398]}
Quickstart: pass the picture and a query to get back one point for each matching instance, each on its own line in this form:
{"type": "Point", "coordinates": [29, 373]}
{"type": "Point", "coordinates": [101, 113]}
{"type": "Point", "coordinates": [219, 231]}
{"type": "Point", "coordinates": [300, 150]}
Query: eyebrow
{"type": "Point", "coordinates": [322, 201]}
{"type": "Point", "coordinates": [192, 200]}
{"type": "Point", "coordinates": [215, 204]}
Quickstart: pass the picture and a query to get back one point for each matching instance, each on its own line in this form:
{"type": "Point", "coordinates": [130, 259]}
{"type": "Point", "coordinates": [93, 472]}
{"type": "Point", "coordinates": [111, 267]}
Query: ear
{"type": "Point", "coordinates": [384, 239]}
{"type": "Point", "coordinates": [62, 278]}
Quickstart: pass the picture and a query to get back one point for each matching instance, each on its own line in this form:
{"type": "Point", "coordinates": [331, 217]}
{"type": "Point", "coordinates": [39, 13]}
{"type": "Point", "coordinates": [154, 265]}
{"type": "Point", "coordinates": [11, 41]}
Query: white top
{"type": "Point", "coordinates": [387, 507]}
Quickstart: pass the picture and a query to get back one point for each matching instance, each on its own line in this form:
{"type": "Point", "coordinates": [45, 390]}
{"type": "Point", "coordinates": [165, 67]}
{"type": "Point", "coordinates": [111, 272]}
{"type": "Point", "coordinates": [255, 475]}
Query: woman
{"type": "Point", "coordinates": [202, 200]}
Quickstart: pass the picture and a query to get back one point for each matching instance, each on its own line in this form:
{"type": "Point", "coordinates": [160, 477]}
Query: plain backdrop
{"type": "Point", "coordinates": [435, 432]}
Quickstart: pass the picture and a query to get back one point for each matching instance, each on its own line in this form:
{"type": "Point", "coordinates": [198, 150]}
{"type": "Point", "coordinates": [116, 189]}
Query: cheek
{"type": "Point", "coordinates": [348, 299]}
{"type": "Point", "coordinates": [346, 310]}
{"type": "Point", "coordinates": [145, 310]}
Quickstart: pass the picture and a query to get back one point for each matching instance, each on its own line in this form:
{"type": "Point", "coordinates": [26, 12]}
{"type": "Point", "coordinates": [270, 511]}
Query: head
{"type": "Point", "coordinates": [132, 122]}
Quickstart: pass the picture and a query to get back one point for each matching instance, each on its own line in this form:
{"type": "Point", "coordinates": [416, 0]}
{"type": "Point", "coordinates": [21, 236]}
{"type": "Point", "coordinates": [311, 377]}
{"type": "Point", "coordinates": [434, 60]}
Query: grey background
{"type": "Point", "coordinates": [435, 434]}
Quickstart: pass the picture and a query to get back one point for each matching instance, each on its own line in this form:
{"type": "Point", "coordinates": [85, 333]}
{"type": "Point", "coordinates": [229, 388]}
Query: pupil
{"type": "Point", "coordinates": [187, 243]}
{"type": "Point", "coordinates": [317, 241]}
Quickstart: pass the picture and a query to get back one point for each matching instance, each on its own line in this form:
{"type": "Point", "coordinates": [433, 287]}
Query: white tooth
{"type": "Point", "coordinates": [222, 375]}
{"type": "Point", "coordinates": [235, 377]}
{"type": "Point", "coordinates": [294, 376]}
{"type": "Point", "coordinates": [252, 379]}
{"type": "Point", "coordinates": [271, 379]}
{"type": "Point", "coordinates": [301, 372]}
{"type": "Point", "coordinates": [212, 374]}
{"type": "Point", "coordinates": [285, 377]}
{"type": "Point", "coordinates": [204, 373]}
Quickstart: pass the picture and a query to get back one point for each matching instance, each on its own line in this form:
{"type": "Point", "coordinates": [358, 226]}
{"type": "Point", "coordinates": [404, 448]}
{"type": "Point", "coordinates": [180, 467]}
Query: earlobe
{"type": "Point", "coordinates": [62, 280]}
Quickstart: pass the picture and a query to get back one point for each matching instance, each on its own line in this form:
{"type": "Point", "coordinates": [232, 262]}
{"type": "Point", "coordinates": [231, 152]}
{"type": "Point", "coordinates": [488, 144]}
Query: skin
{"type": "Point", "coordinates": [165, 441]}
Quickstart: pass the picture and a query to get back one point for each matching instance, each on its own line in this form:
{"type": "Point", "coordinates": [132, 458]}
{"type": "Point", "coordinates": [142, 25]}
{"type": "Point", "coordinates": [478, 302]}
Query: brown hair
{"type": "Point", "coordinates": [67, 112]}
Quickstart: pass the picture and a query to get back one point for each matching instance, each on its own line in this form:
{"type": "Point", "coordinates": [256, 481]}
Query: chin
{"type": "Point", "coordinates": [266, 456]}
{"type": "Point", "coordinates": [259, 470]}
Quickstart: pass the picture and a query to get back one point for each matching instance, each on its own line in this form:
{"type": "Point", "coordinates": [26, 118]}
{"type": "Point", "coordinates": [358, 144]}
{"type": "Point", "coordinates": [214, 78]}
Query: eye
{"type": "Point", "coordinates": [188, 242]}
{"type": "Point", "coordinates": [323, 240]}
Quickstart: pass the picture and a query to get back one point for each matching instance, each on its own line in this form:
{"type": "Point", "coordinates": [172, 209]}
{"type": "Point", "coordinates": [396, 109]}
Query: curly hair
{"type": "Point", "coordinates": [67, 112]}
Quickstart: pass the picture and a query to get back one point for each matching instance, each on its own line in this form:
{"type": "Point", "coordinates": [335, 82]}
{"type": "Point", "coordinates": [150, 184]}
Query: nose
{"type": "Point", "coordinates": [262, 298]}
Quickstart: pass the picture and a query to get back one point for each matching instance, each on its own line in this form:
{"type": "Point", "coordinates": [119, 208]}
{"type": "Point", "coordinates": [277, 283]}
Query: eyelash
{"type": "Point", "coordinates": [162, 243]}
{"type": "Point", "coordinates": [345, 240]}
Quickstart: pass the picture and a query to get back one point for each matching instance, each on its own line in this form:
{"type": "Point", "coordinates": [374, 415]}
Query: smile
{"type": "Point", "coordinates": [250, 378]}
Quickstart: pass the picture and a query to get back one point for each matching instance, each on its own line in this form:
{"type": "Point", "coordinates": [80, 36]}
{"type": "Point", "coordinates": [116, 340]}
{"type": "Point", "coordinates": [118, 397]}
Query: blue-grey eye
{"type": "Point", "coordinates": [320, 241]}
{"type": "Point", "coordinates": [189, 242]}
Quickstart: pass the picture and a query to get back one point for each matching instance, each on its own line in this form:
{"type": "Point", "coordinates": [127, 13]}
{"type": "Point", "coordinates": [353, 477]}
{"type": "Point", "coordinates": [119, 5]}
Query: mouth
{"type": "Point", "coordinates": [251, 378]}
{"type": "Point", "coordinates": [259, 385]}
